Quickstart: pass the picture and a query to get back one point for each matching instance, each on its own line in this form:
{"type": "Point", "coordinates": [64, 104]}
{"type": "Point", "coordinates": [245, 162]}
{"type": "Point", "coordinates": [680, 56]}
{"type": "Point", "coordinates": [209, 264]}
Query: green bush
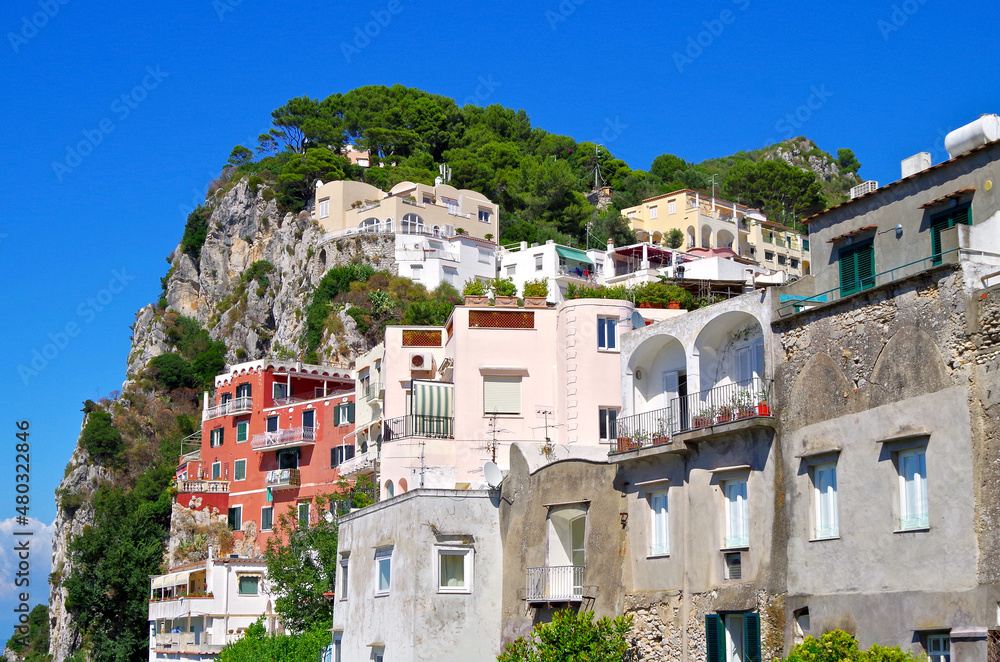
{"type": "Point", "coordinates": [334, 282]}
{"type": "Point", "coordinates": [258, 646]}
{"type": "Point", "coordinates": [573, 635]}
{"type": "Point", "coordinates": [503, 287]}
{"type": "Point", "coordinates": [258, 271]}
{"type": "Point", "coordinates": [839, 646]}
{"type": "Point", "coordinates": [171, 371]}
{"type": "Point", "coordinates": [474, 287]}
{"type": "Point", "coordinates": [195, 232]}
{"type": "Point", "coordinates": [99, 437]}
{"type": "Point", "coordinates": [536, 288]}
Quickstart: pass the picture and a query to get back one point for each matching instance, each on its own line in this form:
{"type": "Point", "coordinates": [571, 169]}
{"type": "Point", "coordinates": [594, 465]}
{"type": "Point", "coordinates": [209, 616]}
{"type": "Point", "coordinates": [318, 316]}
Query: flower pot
{"type": "Point", "coordinates": [659, 441]}
{"type": "Point", "coordinates": [646, 304]}
{"type": "Point", "coordinates": [476, 300]}
{"type": "Point", "coordinates": [505, 302]}
{"type": "Point", "coordinates": [724, 418]}
{"type": "Point", "coordinates": [763, 409]}
{"type": "Point", "coordinates": [625, 444]}
{"type": "Point", "coordinates": [673, 305]}
{"type": "Point", "coordinates": [701, 421]}
{"type": "Point", "coordinates": [535, 302]}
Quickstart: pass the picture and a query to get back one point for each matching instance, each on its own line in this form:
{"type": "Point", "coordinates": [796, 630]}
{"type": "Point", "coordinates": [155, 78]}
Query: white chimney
{"type": "Point", "coordinates": [916, 163]}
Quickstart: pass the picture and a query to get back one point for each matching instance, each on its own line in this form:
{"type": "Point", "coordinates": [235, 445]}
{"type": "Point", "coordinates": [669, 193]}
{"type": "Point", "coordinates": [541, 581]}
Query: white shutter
{"type": "Point", "coordinates": [744, 364]}
{"type": "Point", "coordinates": [501, 394]}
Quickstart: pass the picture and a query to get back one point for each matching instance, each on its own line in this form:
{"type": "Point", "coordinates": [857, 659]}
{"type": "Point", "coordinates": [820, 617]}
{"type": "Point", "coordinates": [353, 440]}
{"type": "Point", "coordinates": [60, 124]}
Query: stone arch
{"type": "Point", "coordinates": [909, 365]}
{"type": "Point", "coordinates": [821, 392]}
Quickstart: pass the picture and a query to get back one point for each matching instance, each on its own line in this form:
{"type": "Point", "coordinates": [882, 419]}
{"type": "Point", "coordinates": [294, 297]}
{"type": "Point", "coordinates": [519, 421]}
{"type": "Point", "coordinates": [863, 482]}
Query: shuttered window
{"type": "Point", "coordinates": [240, 470]}
{"type": "Point", "coordinates": [941, 222]}
{"type": "Point", "coordinates": [857, 268]}
{"type": "Point", "coordinates": [713, 638]}
{"type": "Point", "coordinates": [501, 394]}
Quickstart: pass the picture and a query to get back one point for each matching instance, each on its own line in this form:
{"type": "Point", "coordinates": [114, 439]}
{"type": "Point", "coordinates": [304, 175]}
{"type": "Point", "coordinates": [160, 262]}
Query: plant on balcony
{"type": "Point", "coordinates": [504, 291]}
{"type": "Point", "coordinates": [742, 403]}
{"type": "Point", "coordinates": [536, 293]}
{"type": "Point", "coordinates": [662, 433]}
{"type": "Point", "coordinates": [461, 231]}
{"type": "Point", "coordinates": [474, 292]}
{"type": "Point", "coordinates": [704, 417]}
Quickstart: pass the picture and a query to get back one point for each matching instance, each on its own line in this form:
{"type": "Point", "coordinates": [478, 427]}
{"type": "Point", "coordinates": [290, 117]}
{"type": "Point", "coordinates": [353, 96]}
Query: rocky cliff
{"type": "Point", "coordinates": [256, 311]}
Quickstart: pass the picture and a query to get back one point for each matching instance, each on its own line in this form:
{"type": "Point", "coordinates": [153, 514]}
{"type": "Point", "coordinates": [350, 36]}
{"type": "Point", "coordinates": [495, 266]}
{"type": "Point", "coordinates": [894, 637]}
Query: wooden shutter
{"type": "Point", "coordinates": [350, 413]}
{"type": "Point", "coordinates": [866, 266]}
{"type": "Point", "coordinates": [501, 394]}
{"type": "Point", "coordinates": [713, 638]}
{"type": "Point", "coordinates": [751, 637]}
{"type": "Point", "coordinates": [336, 415]}
{"type": "Point", "coordinates": [848, 272]}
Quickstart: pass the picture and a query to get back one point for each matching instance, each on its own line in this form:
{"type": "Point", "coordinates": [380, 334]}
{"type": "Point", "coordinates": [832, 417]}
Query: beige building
{"type": "Point", "coordinates": [710, 222]}
{"type": "Point", "coordinates": [408, 208]}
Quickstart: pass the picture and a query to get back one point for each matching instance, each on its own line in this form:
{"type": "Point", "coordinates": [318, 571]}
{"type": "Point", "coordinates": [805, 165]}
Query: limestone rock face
{"type": "Point", "coordinates": [82, 478]}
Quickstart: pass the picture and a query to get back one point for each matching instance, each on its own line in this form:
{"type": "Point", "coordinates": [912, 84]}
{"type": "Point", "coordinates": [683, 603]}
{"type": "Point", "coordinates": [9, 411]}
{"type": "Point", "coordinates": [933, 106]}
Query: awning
{"type": "Point", "coordinates": [573, 254]}
{"type": "Point", "coordinates": [852, 233]}
{"type": "Point", "coordinates": [172, 579]}
{"type": "Point", "coordinates": [954, 194]}
{"type": "Point", "coordinates": [433, 399]}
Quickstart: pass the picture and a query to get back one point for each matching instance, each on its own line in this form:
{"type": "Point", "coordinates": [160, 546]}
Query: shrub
{"type": "Point", "coordinates": [474, 287]}
{"type": "Point", "coordinates": [536, 288]}
{"type": "Point", "coordinates": [573, 636]}
{"type": "Point", "coordinates": [99, 437]}
{"type": "Point", "coordinates": [172, 371]}
{"type": "Point", "coordinates": [258, 271]}
{"type": "Point", "coordinates": [839, 646]}
{"type": "Point", "coordinates": [195, 232]}
{"type": "Point", "coordinates": [503, 287]}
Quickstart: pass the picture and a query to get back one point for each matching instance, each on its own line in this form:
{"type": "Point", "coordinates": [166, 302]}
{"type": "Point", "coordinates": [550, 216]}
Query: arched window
{"type": "Point", "coordinates": [402, 485]}
{"type": "Point", "coordinates": [370, 225]}
{"type": "Point", "coordinates": [412, 224]}
{"type": "Point", "coordinates": [388, 489]}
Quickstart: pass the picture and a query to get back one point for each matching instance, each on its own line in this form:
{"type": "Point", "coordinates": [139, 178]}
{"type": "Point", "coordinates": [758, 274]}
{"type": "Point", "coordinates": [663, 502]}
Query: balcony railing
{"type": "Point", "coordinates": [418, 425]}
{"type": "Point", "coordinates": [359, 464]}
{"type": "Point", "coordinates": [205, 486]}
{"type": "Point", "coordinates": [561, 583]}
{"type": "Point", "coordinates": [290, 438]}
{"type": "Point", "coordinates": [372, 391]}
{"type": "Point", "coordinates": [723, 404]}
{"type": "Point", "coordinates": [241, 405]}
{"type": "Point", "coordinates": [577, 271]}
{"type": "Point", "coordinates": [283, 479]}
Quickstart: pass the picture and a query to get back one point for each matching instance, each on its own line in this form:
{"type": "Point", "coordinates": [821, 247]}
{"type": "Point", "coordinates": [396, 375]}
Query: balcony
{"type": "Point", "coordinates": [204, 486]}
{"type": "Point", "coordinates": [581, 273]}
{"type": "Point", "coordinates": [373, 391]}
{"type": "Point", "coordinates": [283, 479]}
{"type": "Point", "coordinates": [241, 405]}
{"type": "Point", "coordinates": [190, 642]}
{"type": "Point", "coordinates": [359, 464]}
{"type": "Point", "coordinates": [723, 404]}
{"type": "Point", "coordinates": [563, 583]}
{"type": "Point", "coordinates": [278, 439]}
{"type": "Point", "coordinates": [418, 425]}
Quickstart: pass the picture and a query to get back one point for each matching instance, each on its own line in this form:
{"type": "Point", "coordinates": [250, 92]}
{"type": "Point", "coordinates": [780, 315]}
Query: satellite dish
{"type": "Point", "coordinates": [637, 321]}
{"type": "Point", "coordinates": [328, 517]}
{"type": "Point", "coordinates": [492, 473]}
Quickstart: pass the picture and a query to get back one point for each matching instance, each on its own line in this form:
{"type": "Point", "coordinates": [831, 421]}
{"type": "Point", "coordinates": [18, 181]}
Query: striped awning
{"type": "Point", "coordinates": [433, 399]}
{"type": "Point", "coordinates": [172, 579]}
{"type": "Point", "coordinates": [573, 254]}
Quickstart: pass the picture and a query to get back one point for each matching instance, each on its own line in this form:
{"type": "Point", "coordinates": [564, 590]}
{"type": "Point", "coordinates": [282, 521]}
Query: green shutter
{"type": "Point", "coordinates": [336, 415]}
{"type": "Point", "coordinates": [943, 222]}
{"type": "Point", "coordinates": [350, 413]}
{"type": "Point", "coordinates": [866, 266]}
{"type": "Point", "coordinates": [751, 637]}
{"type": "Point", "coordinates": [848, 272]}
{"type": "Point", "coordinates": [713, 638]}
{"type": "Point", "coordinates": [857, 268]}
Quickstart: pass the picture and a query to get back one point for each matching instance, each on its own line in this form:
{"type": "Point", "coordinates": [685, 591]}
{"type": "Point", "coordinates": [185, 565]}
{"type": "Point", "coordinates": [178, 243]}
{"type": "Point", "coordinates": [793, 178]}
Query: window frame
{"type": "Point", "coordinates": [298, 514]}
{"type": "Point", "coordinates": [608, 421]}
{"type": "Point", "coordinates": [383, 556]}
{"type": "Point", "coordinates": [831, 530]}
{"type": "Point", "coordinates": [943, 652]}
{"type": "Point", "coordinates": [910, 518]}
{"type": "Point", "coordinates": [850, 260]}
{"type": "Point", "coordinates": [239, 584]}
{"type": "Point", "coordinates": [497, 380]}
{"type": "Point", "coordinates": [242, 428]}
{"type": "Point", "coordinates": [324, 208]}
{"type": "Point", "coordinates": [236, 469]}
{"type": "Point", "coordinates": [216, 471]}
{"type": "Point", "coordinates": [659, 519]}
{"type": "Point", "coordinates": [343, 577]}
{"type": "Point", "coordinates": [238, 510]}
{"type": "Point", "coordinates": [468, 560]}
{"type": "Point", "coordinates": [269, 520]}
{"type": "Point", "coordinates": [653, 212]}
{"type": "Point", "coordinates": [487, 213]}
{"type": "Point", "coordinates": [736, 539]}
{"type": "Point", "coordinates": [217, 437]}
{"type": "Point", "coordinates": [607, 328]}
{"type": "Point", "coordinates": [539, 262]}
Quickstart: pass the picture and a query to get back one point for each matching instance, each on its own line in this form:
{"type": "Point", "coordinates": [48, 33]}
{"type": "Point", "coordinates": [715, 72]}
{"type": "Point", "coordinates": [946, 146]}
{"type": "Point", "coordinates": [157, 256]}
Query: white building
{"type": "Point", "coordinates": [559, 265]}
{"type": "Point", "coordinates": [196, 609]}
{"type": "Point", "coordinates": [431, 260]}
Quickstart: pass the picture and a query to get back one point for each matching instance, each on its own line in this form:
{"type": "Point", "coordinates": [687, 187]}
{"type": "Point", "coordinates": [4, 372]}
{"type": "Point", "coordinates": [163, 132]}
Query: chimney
{"type": "Point", "coordinates": [916, 163]}
{"type": "Point", "coordinates": [611, 244]}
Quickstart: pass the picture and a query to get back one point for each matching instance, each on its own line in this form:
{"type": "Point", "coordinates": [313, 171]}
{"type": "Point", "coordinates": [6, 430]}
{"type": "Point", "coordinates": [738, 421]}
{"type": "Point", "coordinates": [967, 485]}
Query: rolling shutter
{"type": "Point", "coordinates": [501, 394]}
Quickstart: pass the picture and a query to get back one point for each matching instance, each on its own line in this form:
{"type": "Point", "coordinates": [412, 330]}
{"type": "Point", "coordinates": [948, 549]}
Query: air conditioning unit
{"type": "Point", "coordinates": [421, 361]}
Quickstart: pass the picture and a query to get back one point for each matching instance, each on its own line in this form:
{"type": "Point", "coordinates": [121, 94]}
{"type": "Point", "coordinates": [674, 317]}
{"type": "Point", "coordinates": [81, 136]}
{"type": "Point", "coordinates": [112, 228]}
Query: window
{"type": "Point", "coordinates": [338, 637]}
{"type": "Point", "coordinates": [672, 207]}
{"type": "Point", "coordinates": [309, 418]}
{"type": "Point", "coordinates": [501, 394]}
{"type": "Point", "coordinates": [825, 499]}
{"type": "Point", "coordinates": [737, 513]}
{"type": "Point", "coordinates": [235, 518]}
{"type": "Point", "coordinates": [240, 470]}
{"type": "Point", "coordinates": [781, 259]}
{"type": "Point", "coordinates": [267, 518]}
{"type": "Point", "coordinates": [417, 272]}
{"type": "Point", "coordinates": [343, 414]}
{"type": "Point", "coordinates": [279, 391]}
{"type": "Point", "coordinates": [272, 423]}
{"type": "Point", "coordinates": [511, 270]}
{"type": "Point", "coordinates": [241, 431]}
{"type": "Point", "coordinates": [454, 570]}
{"type": "Point", "coordinates": [940, 222]}
{"type": "Point", "coordinates": [288, 459]}
{"type": "Point", "coordinates": [340, 454]}
{"type": "Point", "coordinates": [451, 204]}
{"type": "Point", "coordinates": [607, 333]}
{"type": "Point", "coordinates": [244, 391]}
{"type": "Point", "coordinates": [484, 256]}
{"type": "Point", "coordinates": [324, 208]}
{"type": "Point", "coordinates": [653, 212]}
{"type": "Point", "coordinates": [939, 647]}
{"type": "Point", "coordinates": [608, 423]}
{"type": "Point", "coordinates": [568, 547]}
{"type": "Point", "coordinates": [539, 259]}
{"type": "Point", "coordinates": [857, 268]}
{"type": "Point", "coordinates": [249, 585]}
{"type": "Point", "coordinates": [733, 565]}
{"type": "Point", "coordinates": [451, 276]}
{"type": "Point", "coordinates": [484, 215]}
{"type": "Point", "coordinates": [769, 256]}
{"type": "Point", "coordinates": [215, 440]}
{"type": "Point", "coordinates": [794, 263]}
{"type": "Point", "coordinates": [216, 470]}
{"type": "Point", "coordinates": [733, 637]}
{"type": "Point", "coordinates": [303, 515]}
{"type": "Point", "coordinates": [342, 579]}
{"type": "Point", "coordinates": [913, 490]}
{"type": "Point", "coordinates": [659, 530]}
{"type": "Point", "coordinates": [383, 570]}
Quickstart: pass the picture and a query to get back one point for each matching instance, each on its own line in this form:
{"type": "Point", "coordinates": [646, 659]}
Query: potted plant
{"type": "Point", "coordinates": [763, 409]}
{"type": "Point", "coordinates": [536, 293]}
{"type": "Point", "coordinates": [474, 292]}
{"type": "Point", "coordinates": [704, 418]}
{"type": "Point", "coordinates": [742, 403]}
{"type": "Point", "coordinates": [725, 413]}
{"type": "Point", "coordinates": [661, 436]}
{"type": "Point", "coordinates": [504, 292]}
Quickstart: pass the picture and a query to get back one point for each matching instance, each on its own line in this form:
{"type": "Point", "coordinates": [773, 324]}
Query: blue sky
{"type": "Point", "coordinates": [159, 93]}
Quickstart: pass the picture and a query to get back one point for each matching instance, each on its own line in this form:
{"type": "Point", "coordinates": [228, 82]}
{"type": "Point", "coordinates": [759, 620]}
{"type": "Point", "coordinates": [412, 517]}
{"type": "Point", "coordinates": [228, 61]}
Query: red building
{"type": "Point", "coordinates": [271, 436]}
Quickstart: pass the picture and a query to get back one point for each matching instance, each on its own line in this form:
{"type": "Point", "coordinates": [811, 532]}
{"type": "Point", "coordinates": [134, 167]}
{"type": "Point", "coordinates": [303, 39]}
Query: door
{"type": "Point", "coordinates": [308, 418]}
{"type": "Point", "coordinates": [671, 404]}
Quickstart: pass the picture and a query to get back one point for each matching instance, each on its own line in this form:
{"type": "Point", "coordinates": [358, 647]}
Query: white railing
{"type": "Point", "coordinates": [279, 438]}
{"type": "Point", "coordinates": [357, 464]}
{"type": "Point", "coordinates": [562, 583]}
{"type": "Point", "coordinates": [283, 478]}
{"type": "Point", "coordinates": [460, 214]}
{"type": "Point", "coordinates": [430, 254]}
{"type": "Point", "coordinates": [207, 486]}
{"type": "Point", "coordinates": [369, 205]}
{"type": "Point", "coordinates": [239, 405]}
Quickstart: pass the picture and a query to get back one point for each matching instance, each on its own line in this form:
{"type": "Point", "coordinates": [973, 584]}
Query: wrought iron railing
{"type": "Point", "coordinates": [723, 404]}
{"type": "Point", "coordinates": [278, 438]}
{"type": "Point", "coordinates": [236, 406]}
{"type": "Point", "coordinates": [418, 425]}
{"type": "Point", "coordinates": [555, 583]}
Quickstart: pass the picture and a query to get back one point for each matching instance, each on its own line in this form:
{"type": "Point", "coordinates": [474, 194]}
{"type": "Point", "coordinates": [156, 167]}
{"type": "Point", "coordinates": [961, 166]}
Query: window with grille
{"type": "Point", "coordinates": [512, 319]}
{"type": "Point", "coordinates": [421, 338]}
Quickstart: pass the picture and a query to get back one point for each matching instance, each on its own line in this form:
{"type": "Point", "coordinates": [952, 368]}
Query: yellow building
{"type": "Point", "coordinates": [710, 222]}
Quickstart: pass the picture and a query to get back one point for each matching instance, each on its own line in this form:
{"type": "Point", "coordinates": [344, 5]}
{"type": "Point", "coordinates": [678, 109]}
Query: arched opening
{"type": "Point", "coordinates": [322, 258]}
{"type": "Point", "coordinates": [726, 239]}
{"type": "Point", "coordinates": [411, 224]}
{"type": "Point", "coordinates": [402, 485]}
{"type": "Point", "coordinates": [371, 225]}
{"type": "Point", "coordinates": [691, 238]}
{"type": "Point", "coordinates": [389, 492]}
{"type": "Point", "coordinates": [659, 390]}
{"type": "Point", "coordinates": [706, 236]}
{"type": "Point", "coordinates": [731, 368]}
